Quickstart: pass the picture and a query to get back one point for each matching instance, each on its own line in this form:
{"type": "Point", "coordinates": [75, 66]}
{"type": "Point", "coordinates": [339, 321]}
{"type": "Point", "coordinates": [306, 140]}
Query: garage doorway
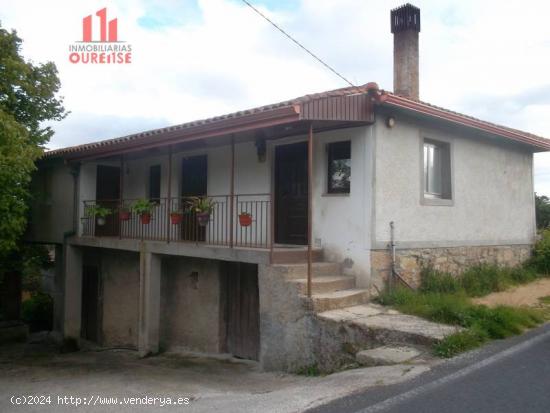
{"type": "Point", "coordinates": [91, 315]}
{"type": "Point", "coordinates": [242, 313]}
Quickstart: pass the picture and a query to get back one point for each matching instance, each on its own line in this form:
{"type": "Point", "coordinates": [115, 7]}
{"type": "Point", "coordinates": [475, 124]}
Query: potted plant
{"type": "Point", "coordinates": [176, 216]}
{"type": "Point", "coordinates": [124, 214]}
{"type": "Point", "coordinates": [99, 212]}
{"type": "Point", "coordinates": [245, 219]}
{"type": "Point", "coordinates": [203, 208]}
{"type": "Point", "coordinates": [143, 207]}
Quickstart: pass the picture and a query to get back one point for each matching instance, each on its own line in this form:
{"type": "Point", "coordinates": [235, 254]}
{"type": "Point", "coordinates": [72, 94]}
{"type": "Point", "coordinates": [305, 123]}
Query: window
{"type": "Point", "coordinates": [437, 170]}
{"type": "Point", "coordinates": [154, 183]}
{"type": "Point", "coordinates": [339, 167]}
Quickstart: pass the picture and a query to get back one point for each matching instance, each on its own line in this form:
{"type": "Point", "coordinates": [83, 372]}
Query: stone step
{"type": "Point", "coordinates": [387, 355]}
{"type": "Point", "coordinates": [325, 284]}
{"type": "Point", "coordinates": [295, 255]}
{"type": "Point", "coordinates": [339, 299]}
{"type": "Point", "coordinates": [319, 269]}
{"type": "Point", "coordinates": [372, 323]}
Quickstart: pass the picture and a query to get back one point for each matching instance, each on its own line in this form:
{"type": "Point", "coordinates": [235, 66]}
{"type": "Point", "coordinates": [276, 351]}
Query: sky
{"type": "Point", "coordinates": [193, 59]}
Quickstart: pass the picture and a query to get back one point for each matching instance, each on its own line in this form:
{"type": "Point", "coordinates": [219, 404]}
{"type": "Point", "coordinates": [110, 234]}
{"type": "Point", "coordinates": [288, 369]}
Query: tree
{"type": "Point", "coordinates": [27, 100]}
{"type": "Point", "coordinates": [542, 211]}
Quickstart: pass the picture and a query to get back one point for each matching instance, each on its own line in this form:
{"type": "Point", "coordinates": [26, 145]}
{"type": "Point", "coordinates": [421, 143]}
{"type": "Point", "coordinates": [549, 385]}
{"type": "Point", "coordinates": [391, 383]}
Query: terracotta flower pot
{"type": "Point", "coordinates": [245, 220]}
{"type": "Point", "coordinates": [203, 218]}
{"type": "Point", "coordinates": [124, 215]}
{"type": "Point", "coordinates": [145, 218]}
{"type": "Point", "coordinates": [100, 221]}
{"type": "Point", "coordinates": [176, 218]}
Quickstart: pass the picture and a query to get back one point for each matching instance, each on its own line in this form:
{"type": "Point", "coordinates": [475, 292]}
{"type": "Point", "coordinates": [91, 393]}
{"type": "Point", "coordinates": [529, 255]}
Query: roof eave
{"type": "Point", "coordinates": [419, 107]}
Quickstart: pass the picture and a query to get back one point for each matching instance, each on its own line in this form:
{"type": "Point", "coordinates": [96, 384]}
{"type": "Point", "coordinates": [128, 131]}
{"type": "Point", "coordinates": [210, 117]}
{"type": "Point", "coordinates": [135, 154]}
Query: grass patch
{"type": "Point", "coordinates": [453, 306]}
{"type": "Point", "coordinates": [545, 300]}
{"type": "Point", "coordinates": [309, 371]}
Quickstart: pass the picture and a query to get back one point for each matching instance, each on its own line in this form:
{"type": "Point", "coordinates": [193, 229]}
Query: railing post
{"type": "Point", "coordinates": [232, 193]}
{"type": "Point", "coordinates": [310, 205]}
{"type": "Point", "coordinates": [169, 194]}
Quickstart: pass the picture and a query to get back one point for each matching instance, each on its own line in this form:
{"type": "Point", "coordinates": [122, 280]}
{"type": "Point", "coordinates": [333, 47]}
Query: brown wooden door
{"type": "Point", "coordinates": [242, 310]}
{"type": "Point", "coordinates": [194, 183]}
{"type": "Point", "coordinates": [291, 194]}
{"type": "Point", "coordinates": [90, 303]}
{"type": "Point", "coordinates": [108, 196]}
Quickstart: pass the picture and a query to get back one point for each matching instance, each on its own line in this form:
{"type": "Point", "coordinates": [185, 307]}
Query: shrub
{"type": "Point", "coordinates": [37, 312]}
{"type": "Point", "coordinates": [540, 260]}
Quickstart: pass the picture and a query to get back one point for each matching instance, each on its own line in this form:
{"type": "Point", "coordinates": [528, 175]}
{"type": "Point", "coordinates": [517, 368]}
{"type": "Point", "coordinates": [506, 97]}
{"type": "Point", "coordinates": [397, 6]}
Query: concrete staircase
{"type": "Point", "coordinates": [330, 289]}
{"type": "Point", "coordinates": [346, 323]}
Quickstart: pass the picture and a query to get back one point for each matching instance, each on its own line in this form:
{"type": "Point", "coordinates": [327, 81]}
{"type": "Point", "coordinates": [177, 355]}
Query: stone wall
{"type": "Point", "coordinates": [454, 260]}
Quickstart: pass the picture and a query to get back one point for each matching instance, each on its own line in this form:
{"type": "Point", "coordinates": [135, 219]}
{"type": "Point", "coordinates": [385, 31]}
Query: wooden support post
{"type": "Point", "coordinates": [232, 192]}
{"type": "Point", "coordinates": [309, 205]}
{"type": "Point", "coordinates": [169, 194]}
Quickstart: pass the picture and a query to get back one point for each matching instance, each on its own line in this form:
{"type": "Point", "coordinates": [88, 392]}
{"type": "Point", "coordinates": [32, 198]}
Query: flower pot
{"type": "Point", "coordinates": [100, 221]}
{"type": "Point", "coordinates": [176, 218]}
{"type": "Point", "coordinates": [245, 220]}
{"type": "Point", "coordinates": [145, 218]}
{"type": "Point", "coordinates": [124, 215]}
{"type": "Point", "coordinates": [203, 218]}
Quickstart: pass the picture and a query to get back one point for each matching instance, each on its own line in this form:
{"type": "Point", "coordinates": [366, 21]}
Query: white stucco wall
{"type": "Point", "coordinates": [492, 185]}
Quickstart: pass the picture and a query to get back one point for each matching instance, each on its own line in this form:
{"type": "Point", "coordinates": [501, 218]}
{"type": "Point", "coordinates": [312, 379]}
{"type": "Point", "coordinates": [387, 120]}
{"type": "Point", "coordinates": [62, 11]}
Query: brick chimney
{"type": "Point", "coordinates": [405, 26]}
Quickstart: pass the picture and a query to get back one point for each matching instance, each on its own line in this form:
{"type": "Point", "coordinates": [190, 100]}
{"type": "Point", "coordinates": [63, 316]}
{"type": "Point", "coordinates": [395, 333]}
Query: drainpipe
{"type": "Point", "coordinates": [394, 273]}
{"type": "Point", "coordinates": [75, 172]}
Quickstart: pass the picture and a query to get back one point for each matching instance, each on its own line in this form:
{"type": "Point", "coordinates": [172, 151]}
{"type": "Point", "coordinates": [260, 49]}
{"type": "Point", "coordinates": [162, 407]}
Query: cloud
{"type": "Point", "coordinates": [198, 58]}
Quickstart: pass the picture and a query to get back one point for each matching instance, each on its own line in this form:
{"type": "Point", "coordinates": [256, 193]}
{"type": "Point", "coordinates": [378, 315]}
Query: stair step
{"type": "Point", "coordinates": [319, 269]}
{"type": "Point", "coordinates": [295, 255]}
{"type": "Point", "coordinates": [387, 355]}
{"type": "Point", "coordinates": [339, 299]}
{"type": "Point", "coordinates": [384, 325]}
{"type": "Point", "coordinates": [325, 284]}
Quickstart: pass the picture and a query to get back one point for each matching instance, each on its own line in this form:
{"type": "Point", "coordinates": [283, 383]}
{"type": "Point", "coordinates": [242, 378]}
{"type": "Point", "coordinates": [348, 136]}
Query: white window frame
{"type": "Point", "coordinates": [446, 195]}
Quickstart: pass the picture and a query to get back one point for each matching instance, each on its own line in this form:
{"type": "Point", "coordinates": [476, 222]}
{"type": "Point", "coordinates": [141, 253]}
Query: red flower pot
{"type": "Point", "coordinates": [203, 218]}
{"type": "Point", "coordinates": [124, 215]}
{"type": "Point", "coordinates": [245, 220]}
{"type": "Point", "coordinates": [145, 218]}
{"type": "Point", "coordinates": [176, 218]}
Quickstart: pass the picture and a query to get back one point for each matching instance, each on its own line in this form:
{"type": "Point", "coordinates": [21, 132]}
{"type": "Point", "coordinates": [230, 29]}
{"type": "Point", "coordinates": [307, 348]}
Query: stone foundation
{"type": "Point", "coordinates": [454, 260]}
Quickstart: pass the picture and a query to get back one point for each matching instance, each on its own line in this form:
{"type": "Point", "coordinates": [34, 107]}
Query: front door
{"type": "Point", "coordinates": [291, 194]}
{"type": "Point", "coordinates": [108, 195]}
{"type": "Point", "coordinates": [194, 183]}
{"type": "Point", "coordinates": [90, 303]}
{"type": "Point", "coordinates": [242, 310]}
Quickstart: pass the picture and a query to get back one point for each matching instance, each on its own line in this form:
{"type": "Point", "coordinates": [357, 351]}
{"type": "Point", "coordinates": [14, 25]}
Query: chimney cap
{"type": "Point", "coordinates": [406, 17]}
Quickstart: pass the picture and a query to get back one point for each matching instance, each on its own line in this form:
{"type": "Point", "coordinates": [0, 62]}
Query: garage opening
{"type": "Point", "coordinates": [242, 310]}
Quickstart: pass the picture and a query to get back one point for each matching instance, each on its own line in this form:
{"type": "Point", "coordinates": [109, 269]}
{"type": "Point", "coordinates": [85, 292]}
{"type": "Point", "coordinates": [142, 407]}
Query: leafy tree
{"type": "Point", "coordinates": [27, 100]}
{"type": "Point", "coordinates": [542, 210]}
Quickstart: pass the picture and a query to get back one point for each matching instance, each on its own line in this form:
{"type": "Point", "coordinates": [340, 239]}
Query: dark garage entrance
{"type": "Point", "coordinates": [242, 312]}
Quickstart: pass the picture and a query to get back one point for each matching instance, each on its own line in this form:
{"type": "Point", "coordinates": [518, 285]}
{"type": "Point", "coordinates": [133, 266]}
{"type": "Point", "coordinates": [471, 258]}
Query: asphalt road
{"type": "Point", "coordinates": [510, 375]}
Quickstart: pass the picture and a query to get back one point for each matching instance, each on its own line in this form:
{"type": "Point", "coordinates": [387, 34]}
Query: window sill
{"type": "Point", "coordinates": [436, 201]}
{"type": "Point", "coordinates": [336, 194]}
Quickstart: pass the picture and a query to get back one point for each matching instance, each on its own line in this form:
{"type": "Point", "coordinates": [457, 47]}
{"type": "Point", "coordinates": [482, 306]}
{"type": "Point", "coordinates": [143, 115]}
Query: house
{"type": "Point", "coordinates": [317, 202]}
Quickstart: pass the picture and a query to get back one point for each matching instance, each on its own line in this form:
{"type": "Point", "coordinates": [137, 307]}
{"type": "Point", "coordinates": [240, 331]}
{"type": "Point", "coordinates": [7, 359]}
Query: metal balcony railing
{"type": "Point", "coordinates": [243, 220]}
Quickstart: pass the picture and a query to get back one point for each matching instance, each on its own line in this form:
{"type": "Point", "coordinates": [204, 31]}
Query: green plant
{"type": "Point", "coordinates": [540, 260]}
{"type": "Point", "coordinates": [37, 312]}
{"type": "Point", "coordinates": [142, 206]}
{"type": "Point", "coordinates": [203, 205]}
{"type": "Point", "coordinates": [97, 211]}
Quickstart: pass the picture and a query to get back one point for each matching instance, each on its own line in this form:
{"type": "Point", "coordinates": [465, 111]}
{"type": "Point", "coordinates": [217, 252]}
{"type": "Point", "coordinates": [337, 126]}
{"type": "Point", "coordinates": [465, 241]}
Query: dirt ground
{"type": "Point", "coordinates": [523, 295]}
{"type": "Point", "coordinates": [94, 378]}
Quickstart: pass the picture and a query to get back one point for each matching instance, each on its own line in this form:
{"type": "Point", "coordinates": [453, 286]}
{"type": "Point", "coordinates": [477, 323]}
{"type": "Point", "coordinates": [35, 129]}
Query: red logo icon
{"type": "Point", "coordinates": [107, 32]}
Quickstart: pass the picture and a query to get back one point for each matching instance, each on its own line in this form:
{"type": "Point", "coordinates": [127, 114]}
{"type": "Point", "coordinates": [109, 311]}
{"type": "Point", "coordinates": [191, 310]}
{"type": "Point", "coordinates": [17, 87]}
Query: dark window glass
{"type": "Point", "coordinates": [154, 182]}
{"type": "Point", "coordinates": [339, 167]}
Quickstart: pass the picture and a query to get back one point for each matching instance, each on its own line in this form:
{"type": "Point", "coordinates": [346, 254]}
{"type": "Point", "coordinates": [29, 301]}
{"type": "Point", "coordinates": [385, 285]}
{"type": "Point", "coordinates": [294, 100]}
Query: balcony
{"type": "Point", "coordinates": [226, 225]}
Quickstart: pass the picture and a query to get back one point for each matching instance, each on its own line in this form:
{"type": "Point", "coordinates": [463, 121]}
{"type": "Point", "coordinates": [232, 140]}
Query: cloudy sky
{"type": "Point", "coordinates": [199, 58]}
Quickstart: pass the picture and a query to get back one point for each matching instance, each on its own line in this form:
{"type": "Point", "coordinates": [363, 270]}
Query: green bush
{"type": "Point", "coordinates": [37, 312]}
{"type": "Point", "coordinates": [540, 260]}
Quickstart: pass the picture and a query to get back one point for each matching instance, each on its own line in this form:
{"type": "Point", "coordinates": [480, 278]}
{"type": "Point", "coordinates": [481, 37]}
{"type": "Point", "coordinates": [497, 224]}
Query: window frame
{"type": "Point", "coordinates": [331, 191]}
{"type": "Point", "coordinates": [447, 196]}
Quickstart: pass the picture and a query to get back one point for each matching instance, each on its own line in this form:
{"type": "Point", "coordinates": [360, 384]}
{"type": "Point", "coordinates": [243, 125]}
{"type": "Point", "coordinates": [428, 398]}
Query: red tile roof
{"type": "Point", "coordinates": [292, 107]}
